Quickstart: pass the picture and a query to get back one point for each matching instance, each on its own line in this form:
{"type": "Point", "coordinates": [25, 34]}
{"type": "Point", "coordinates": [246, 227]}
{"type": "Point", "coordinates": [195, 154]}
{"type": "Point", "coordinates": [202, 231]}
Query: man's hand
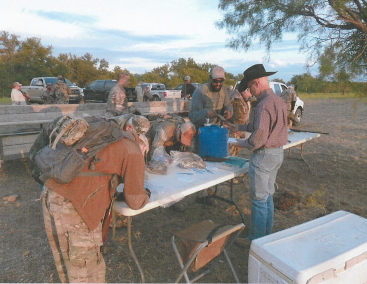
{"type": "Point", "coordinates": [227, 114]}
{"type": "Point", "coordinates": [212, 114]}
{"type": "Point", "coordinates": [148, 192]}
{"type": "Point", "coordinates": [230, 126]}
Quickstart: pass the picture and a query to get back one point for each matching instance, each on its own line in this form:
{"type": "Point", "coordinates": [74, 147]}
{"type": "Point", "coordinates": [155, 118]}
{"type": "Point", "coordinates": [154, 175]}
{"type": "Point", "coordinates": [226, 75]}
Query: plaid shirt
{"type": "Point", "coordinates": [269, 123]}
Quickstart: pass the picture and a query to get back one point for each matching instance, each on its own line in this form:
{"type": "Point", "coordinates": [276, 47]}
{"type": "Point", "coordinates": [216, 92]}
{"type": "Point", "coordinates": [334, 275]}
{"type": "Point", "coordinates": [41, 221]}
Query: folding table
{"type": "Point", "coordinates": [299, 138]}
{"type": "Point", "coordinates": [171, 188]}
{"type": "Point", "coordinates": [294, 139]}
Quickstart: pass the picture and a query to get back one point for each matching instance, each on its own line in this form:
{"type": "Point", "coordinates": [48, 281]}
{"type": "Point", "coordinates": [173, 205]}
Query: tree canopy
{"type": "Point", "coordinates": [22, 60]}
{"type": "Point", "coordinates": [333, 32]}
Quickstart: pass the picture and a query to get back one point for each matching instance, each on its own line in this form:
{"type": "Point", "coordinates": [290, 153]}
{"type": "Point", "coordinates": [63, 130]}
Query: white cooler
{"type": "Point", "coordinates": [328, 250]}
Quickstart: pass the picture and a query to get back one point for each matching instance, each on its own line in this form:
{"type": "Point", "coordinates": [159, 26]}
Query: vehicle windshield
{"type": "Point", "coordinates": [68, 82]}
{"type": "Point", "coordinates": [50, 80]}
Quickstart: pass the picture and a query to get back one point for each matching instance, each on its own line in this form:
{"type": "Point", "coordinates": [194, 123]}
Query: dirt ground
{"type": "Point", "coordinates": [337, 182]}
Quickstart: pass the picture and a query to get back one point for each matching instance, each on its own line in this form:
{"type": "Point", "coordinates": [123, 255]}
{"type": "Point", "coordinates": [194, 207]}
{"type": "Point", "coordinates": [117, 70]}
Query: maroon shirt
{"type": "Point", "coordinates": [269, 124]}
{"type": "Point", "coordinates": [90, 194]}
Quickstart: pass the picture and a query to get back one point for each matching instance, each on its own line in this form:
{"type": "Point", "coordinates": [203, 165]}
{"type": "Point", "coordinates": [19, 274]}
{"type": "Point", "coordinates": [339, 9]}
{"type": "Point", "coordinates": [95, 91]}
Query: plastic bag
{"type": "Point", "coordinates": [159, 163]}
{"type": "Point", "coordinates": [187, 160]}
{"type": "Point", "coordinates": [156, 167]}
{"type": "Point", "coordinates": [160, 155]}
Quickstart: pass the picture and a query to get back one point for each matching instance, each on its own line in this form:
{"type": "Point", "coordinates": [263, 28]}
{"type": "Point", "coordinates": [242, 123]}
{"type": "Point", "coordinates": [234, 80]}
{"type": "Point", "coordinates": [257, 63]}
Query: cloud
{"type": "Point", "coordinates": [65, 17]}
{"type": "Point", "coordinates": [140, 35]}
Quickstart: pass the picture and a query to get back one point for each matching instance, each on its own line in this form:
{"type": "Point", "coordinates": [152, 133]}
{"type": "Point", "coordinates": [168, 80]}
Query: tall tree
{"type": "Point", "coordinates": [337, 24]}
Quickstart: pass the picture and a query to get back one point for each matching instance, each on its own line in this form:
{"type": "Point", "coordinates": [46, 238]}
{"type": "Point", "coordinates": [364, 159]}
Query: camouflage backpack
{"type": "Point", "coordinates": [68, 130]}
{"type": "Point", "coordinates": [62, 162]}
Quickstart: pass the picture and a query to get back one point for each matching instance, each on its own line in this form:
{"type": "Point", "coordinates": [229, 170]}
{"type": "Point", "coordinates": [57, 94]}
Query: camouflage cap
{"type": "Point", "coordinates": [218, 73]}
{"type": "Point", "coordinates": [187, 78]}
{"type": "Point", "coordinates": [188, 131]}
{"type": "Point", "coordinates": [140, 123]}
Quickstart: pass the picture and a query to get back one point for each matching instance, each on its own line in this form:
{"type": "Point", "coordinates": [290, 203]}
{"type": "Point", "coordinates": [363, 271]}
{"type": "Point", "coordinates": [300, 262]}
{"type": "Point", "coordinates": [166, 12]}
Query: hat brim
{"type": "Point", "coordinates": [243, 85]}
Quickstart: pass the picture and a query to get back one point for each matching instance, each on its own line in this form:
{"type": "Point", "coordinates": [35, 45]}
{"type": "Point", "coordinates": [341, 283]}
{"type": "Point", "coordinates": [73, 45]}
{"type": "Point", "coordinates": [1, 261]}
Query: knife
{"type": "Point", "coordinates": [221, 117]}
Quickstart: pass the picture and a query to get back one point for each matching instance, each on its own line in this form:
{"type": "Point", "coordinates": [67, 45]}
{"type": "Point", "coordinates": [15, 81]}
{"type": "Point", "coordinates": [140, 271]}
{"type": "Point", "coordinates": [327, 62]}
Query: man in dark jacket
{"type": "Point", "coordinates": [188, 89]}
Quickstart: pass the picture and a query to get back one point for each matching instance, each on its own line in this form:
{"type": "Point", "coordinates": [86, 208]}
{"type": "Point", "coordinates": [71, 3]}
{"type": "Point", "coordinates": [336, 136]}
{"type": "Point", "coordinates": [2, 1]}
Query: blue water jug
{"type": "Point", "coordinates": [213, 142]}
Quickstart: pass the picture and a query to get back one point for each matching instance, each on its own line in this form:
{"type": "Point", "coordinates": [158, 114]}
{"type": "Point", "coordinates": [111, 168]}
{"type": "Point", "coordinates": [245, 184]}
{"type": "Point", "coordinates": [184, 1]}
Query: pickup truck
{"type": "Point", "coordinates": [99, 90]}
{"type": "Point", "coordinates": [182, 86]}
{"type": "Point", "coordinates": [297, 107]}
{"type": "Point", "coordinates": [38, 85]}
{"type": "Point", "coordinates": [160, 93]}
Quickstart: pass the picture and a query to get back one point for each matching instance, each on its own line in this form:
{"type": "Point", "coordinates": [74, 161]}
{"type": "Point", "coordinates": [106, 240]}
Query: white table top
{"type": "Point", "coordinates": [170, 188]}
{"type": "Point", "coordinates": [295, 138]}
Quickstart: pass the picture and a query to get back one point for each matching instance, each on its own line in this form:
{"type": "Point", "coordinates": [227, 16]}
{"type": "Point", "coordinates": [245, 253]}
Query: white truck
{"type": "Point", "coordinates": [159, 92]}
{"type": "Point", "coordinates": [38, 85]}
{"type": "Point", "coordinates": [297, 107]}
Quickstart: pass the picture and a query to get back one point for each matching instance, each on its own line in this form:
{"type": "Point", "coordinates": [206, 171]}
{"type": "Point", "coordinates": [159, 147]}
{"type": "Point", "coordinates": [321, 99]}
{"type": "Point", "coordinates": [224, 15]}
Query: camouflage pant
{"type": "Point", "coordinates": [75, 249]}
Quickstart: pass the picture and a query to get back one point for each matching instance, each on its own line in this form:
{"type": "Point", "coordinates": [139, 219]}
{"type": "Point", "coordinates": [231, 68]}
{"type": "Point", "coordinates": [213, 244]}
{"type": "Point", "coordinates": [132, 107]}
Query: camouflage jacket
{"type": "Point", "coordinates": [162, 132]}
{"type": "Point", "coordinates": [240, 108]}
{"type": "Point", "coordinates": [203, 100]}
{"type": "Point", "coordinates": [289, 95]}
{"type": "Point", "coordinates": [117, 101]}
{"type": "Point", "coordinates": [60, 93]}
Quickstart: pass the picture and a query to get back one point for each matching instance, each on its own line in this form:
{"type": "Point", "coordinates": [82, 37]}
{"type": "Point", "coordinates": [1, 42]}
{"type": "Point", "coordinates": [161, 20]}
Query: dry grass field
{"type": "Point", "coordinates": [337, 182]}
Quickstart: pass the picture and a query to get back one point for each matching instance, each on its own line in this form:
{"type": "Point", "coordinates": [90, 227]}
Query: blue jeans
{"type": "Point", "coordinates": [263, 169]}
{"type": "Point", "coordinates": [262, 218]}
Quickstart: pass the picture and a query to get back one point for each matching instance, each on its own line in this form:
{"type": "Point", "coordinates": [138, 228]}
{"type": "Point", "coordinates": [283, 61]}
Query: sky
{"type": "Point", "coordinates": [139, 35]}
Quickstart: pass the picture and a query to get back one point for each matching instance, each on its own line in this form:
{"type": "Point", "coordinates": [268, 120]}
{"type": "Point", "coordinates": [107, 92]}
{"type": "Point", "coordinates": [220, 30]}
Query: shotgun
{"type": "Point", "coordinates": [297, 130]}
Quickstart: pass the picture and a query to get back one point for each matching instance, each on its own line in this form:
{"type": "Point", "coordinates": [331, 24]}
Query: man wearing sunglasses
{"type": "Point", "coordinates": [209, 100]}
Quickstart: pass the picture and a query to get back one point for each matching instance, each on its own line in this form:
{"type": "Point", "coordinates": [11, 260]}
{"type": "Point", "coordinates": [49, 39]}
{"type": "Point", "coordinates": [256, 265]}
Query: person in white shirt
{"type": "Point", "coordinates": [17, 97]}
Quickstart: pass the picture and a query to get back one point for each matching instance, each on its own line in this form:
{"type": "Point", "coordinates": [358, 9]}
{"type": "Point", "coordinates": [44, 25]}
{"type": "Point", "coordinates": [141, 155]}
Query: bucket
{"type": "Point", "coordinates": [213, 142]}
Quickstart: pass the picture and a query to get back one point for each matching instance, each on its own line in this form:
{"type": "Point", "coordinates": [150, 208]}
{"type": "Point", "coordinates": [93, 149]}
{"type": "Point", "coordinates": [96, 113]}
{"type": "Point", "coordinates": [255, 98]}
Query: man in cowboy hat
{"type": "Point", "coordinates": [269, 134]}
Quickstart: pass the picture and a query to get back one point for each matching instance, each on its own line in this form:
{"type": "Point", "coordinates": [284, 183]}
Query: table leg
{"type": "Point", "coordinates": [303, 158]}
{"type": "Point", "coordinates": [231, 201]}
{"type": "Point", "coordinates": [113, 222]}
{"type": "Point", "coordinates": [129, 220]}
{"type": "Point", "coordinates": [235, 204]}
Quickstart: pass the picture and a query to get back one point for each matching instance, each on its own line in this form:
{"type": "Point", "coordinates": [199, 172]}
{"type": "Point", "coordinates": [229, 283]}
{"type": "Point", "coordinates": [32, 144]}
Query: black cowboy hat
{"type": "Point", "coordinates": [254, 72]}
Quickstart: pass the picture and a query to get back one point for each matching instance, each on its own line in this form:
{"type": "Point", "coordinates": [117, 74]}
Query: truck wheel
{"type": "Point", "coordinates": [156, 98]}
{"type": "Point", "coordinates": [297, 117]}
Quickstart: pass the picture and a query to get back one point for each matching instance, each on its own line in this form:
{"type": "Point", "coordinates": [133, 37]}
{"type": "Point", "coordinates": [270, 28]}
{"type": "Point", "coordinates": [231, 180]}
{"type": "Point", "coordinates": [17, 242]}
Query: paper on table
{"type": "Point", "coordinates": [185, 178]}
{"type": "Point", "coordinates": [232, 140]}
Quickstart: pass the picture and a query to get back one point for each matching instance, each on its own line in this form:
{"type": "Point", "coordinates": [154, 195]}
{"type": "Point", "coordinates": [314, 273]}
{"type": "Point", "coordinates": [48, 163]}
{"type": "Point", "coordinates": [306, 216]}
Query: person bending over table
{"type": "Point", "coordinates": [269, 135]}
{"type": "Point", "coordinates": [74, 213]}
{"type": "Point", "coordinates": [171, 132]}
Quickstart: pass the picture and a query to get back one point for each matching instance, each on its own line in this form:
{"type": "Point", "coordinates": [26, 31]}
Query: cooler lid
{"type": "Point", "coordinates": [306, 250]}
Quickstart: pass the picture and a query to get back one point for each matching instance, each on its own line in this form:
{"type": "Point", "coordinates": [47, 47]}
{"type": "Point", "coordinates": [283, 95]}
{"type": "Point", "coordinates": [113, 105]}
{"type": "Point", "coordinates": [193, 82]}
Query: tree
{"type": "Point", "coordinates": [337, 26]}
{"type": "Point", "coordinates": [9, 44]}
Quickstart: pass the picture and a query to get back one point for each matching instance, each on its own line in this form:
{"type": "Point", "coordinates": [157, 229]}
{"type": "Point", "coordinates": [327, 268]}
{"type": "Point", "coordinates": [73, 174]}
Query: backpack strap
{"type": "Point", "coordinates": [92, 174]}
{"type": "Point", "coordinates": [57, 137]}
{"type": "Point", "coordinates": [212, 233]}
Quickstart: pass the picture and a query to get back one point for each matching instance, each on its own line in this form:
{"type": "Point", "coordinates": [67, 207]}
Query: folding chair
{"type": "Point", "coordinates": [200, 244]}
